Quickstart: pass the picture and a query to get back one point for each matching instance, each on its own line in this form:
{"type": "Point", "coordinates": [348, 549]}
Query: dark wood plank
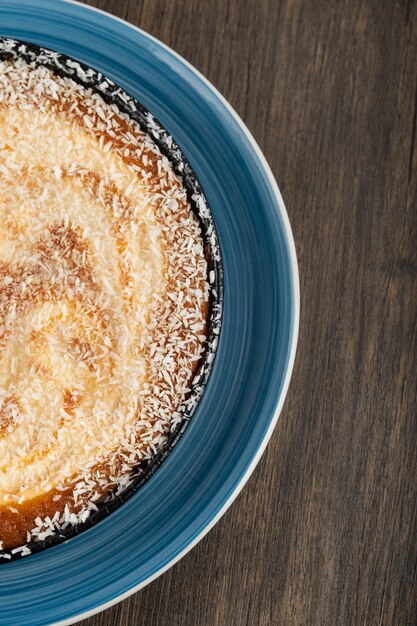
{"type": "Point", "coordinates": [325, 532]}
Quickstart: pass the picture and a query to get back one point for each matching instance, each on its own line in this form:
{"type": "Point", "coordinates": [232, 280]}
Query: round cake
{"type": "Point", "coordinates": [105, 295]}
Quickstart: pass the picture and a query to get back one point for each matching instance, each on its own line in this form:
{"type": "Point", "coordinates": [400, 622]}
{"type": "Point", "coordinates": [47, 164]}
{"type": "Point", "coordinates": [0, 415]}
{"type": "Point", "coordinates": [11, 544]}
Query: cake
{"type": "Point", "coordinates": [105, 297]}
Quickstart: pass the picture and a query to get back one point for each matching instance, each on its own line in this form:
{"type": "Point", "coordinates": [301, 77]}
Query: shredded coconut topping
{"type": "Point", "coordinates": [104, 293]}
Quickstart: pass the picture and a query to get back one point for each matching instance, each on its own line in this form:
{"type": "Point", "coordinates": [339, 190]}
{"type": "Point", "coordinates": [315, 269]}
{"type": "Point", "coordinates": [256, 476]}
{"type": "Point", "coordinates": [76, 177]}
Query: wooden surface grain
{"type": "Point", "coordinates": [325, 532]}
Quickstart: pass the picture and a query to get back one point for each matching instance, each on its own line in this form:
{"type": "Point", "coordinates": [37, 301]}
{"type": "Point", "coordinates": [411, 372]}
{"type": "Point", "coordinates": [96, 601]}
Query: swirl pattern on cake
{"type": "Point", "coordinates": [104, 297]}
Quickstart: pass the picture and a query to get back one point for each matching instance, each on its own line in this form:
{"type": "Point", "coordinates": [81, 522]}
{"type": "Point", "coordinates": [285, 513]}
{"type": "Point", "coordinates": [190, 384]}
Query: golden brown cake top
{"type": "Point", "coordinates": [103, 296]}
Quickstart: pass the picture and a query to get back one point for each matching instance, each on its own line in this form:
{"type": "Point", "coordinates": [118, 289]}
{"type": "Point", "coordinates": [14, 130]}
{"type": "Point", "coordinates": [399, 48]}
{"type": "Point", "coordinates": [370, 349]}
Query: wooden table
{"type": "Point", "coordinates": [325, 533]}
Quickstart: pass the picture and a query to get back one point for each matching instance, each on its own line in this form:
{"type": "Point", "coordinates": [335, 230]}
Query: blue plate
{"type": "Point", "coordinates": [245, 393]}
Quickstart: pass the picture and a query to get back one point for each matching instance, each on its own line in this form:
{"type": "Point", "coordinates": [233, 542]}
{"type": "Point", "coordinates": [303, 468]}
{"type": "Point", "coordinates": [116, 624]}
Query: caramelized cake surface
{"type": "Point", "coordinates": [103, 301]}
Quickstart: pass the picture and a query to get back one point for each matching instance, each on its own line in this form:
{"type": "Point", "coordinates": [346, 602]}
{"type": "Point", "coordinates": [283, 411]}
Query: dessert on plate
{"type": "Point", "coordinates": [104, 299]}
